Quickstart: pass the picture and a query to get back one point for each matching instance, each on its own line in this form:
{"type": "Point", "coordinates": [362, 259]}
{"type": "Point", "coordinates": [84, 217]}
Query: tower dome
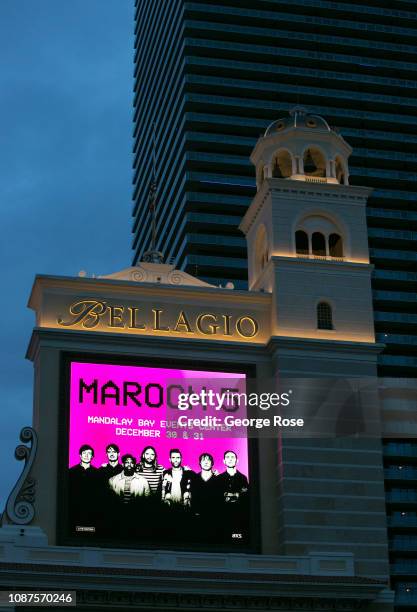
{"type": "Point", "coordinates": [298, 118]}
{"type": "Point", "coordinates": [301, 147]}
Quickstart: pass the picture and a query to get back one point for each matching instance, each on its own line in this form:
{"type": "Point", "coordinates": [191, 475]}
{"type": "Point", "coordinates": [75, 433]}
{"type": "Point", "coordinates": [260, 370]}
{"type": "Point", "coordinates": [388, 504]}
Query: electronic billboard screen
{"type": "Point", "coordinates": [135, 479]}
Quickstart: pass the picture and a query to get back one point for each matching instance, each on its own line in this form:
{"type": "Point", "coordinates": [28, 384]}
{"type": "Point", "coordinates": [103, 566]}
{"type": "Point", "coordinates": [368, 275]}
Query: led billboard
{"type": "Point", "coordinates": [134, 478]}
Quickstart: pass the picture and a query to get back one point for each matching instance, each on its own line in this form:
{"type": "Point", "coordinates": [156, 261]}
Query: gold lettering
{"type": "Point", "coordinates": [157, 320]}
{"type": "Point", "coordinates": [182, 321]}
{"type": "Point", "coordinates": [133, 323]}
{"type": "Point", "coordinates": [253, 324]}
{"type": "Point", "coordinates": [211, 327]}
{"type": "Point", "coordinates": [86, 312]}
{"type": "Point", "coordinates": [226, 319]}
{"type": "Point", "coordinates": [116, 316]}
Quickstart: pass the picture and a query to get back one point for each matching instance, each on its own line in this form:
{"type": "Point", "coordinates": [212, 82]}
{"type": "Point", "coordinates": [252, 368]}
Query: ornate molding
{"type": "Point", "coordinates": [19, 507]}
{"type": "Point", "coordinates": [151, 272]}
{"type": "Point", "coordinates": [197, 602]}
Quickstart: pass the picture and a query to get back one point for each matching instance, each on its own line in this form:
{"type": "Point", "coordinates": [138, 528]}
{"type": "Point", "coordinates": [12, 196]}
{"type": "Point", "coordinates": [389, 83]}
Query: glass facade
{"type": "Point", "coordinates": [211, 75]}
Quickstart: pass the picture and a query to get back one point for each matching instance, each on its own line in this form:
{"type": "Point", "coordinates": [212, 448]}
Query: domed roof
{"type": "Point", "coordinates": [298, 118]}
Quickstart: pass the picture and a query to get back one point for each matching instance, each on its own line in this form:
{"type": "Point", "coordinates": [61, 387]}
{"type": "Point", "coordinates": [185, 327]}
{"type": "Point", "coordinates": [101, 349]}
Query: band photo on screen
{"type": "Point", "coordinates": [135, 481]}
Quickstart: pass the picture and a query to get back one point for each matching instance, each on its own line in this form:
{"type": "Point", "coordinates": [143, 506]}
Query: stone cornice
{"type": "Point", "coordinates": [82, 341]}
{"type": "Point", "coordinates": [216, 585]}
{"type": "Point", "coordinates": [314, 193]}
{"type": "Point", "coordinates": [331, 266]}
{"type": "Point", "coordinates": [303, 345]}
{"type": "Point", "coordinates": [133, 289]}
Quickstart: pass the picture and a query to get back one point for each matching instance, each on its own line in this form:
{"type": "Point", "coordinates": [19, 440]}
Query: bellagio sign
{"type": "Point", "coordinates": [99, 314]}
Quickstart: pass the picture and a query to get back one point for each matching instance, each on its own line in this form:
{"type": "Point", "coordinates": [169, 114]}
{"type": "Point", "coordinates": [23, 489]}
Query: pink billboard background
{"type": "Point", "coordinates": [99, 435]}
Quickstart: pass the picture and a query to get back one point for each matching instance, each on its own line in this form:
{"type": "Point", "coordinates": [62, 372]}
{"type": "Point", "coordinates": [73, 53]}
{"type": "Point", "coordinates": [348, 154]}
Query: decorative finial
{"type": "Point", "coordinates": [153, 256]}
{"type": "Point", "coordinates": [298, 110]}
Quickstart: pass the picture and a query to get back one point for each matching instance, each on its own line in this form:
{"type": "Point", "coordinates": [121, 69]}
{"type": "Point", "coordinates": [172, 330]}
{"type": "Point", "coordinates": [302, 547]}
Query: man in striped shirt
{"type": "Point", "coordinates": [149, 468]}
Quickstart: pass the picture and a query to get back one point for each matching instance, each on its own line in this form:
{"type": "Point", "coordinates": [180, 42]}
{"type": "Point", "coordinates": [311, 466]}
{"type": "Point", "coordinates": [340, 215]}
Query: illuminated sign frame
{"type": "Point", "coordinates": [62, 502]}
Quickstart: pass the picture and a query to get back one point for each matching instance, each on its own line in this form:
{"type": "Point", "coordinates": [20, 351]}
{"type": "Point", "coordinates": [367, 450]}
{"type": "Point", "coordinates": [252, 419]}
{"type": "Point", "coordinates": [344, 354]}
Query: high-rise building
{"type": "Point", "coordinates": [212, 75]}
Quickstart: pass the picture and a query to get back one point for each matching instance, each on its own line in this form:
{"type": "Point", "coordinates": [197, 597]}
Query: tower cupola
{"type": "Point", "coordinates": [302, 147]}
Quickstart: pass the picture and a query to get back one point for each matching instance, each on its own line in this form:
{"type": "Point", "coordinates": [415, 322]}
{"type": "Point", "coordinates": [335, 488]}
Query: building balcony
{"type": "Point", "coordinates": [401, 450]}
{"type": "Point", "coordinates": [402, 496]}
{"type": "Point", "coordinates": [401, 473]}
{"type": "Point", "coordinates": [396, 317]}
{"type": "Point", "coordinates": [399, 361]}
{"type": "Point", "coordinates": [320, 257]}
{"type": "Point", "coordinates": [406, 595]}
{"type": "Point", "coordinates": [394, 296]}
{"type": "Point", "coordinates": [403, 544]}
{"type": "Point", "coordinates": [315, 179]}
{"type": "Point", "coordinates": [402, 521]}
{"type": "Point", "coordinates": [404, 568]}
{"type": "Point", "coordinates": [408, 600]}
{"type": "Point", "coordinates": [399, 339]}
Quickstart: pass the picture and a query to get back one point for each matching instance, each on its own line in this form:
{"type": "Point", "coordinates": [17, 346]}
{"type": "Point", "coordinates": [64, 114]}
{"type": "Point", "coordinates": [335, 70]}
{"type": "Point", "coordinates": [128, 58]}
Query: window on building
{"type": "Point", "coordinates": [301, 242]}
{"type": "Point", "coordinates": [282, 166]}
{"type": "Point", "coordinates": [314, 163]}
{"type": "Point", "coordinates": [335, 245]}
{"type": "Point", "coordinates": [318, 244]}
{"type": "Point", "coordinates": [324, 316]}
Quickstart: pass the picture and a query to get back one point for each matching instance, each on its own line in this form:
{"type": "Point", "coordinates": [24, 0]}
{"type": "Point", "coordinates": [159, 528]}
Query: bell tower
{"type": "Point", "coordinates": [306, 232]}
{"type": "Point", "coordinates": [308, 248]}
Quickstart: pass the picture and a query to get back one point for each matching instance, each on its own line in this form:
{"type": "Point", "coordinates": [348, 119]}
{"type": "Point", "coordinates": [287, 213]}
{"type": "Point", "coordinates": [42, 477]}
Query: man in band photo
{"type": "Point", "coordinates": [86, 456]}
{"type": "Point", "coordinates": [112, 467]}
{"type": "Point", "coordinates": [83, 486]}
{"type": "Point", "coordinates": [128, 502]}
{"type": "Point", "coordinates": [128, 484]}
{"type": "Point", "coordinates": [205, 488]}
{"type": "Point", "coordinates": [149, 468]}
{"type": "Point", "coordinates": [234, 498]}
{"type": "Point", "coordinates": [206, 500]}
{"type": "Point", "coordinates": [177, 482]}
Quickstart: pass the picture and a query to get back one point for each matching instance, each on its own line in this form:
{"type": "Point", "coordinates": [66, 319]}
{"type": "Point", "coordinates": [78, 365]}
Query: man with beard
{"type": "Point", "coordinates": [83, 491]}
{"type": "Point", "coordinates": [149, 468]}
{"type": "Point", "coordinates": [129, 485]}
{"type": "Point", "coordinates": [130, 492]}
{"type": "Point", "coordinates": [234, 500]}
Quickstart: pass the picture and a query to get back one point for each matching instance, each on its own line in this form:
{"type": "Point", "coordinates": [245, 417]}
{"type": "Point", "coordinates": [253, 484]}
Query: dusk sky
{"type": "Point", "coordinates": [66, 74]}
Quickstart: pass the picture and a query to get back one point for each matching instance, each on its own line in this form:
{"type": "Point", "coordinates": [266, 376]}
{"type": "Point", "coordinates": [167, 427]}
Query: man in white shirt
{"type": "Point", "coordinates": [129, 485]}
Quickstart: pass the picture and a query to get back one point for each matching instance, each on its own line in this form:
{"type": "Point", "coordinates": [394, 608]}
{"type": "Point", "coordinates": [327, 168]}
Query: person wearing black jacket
{"type": "Point", "coordinates": [234, 496]}
{"type": "Point", "coordinates": [112, 467]}
{"type": "Point", "coordinates": [83, 486]}
{"type": "Point", "coordinates": [206, 500]}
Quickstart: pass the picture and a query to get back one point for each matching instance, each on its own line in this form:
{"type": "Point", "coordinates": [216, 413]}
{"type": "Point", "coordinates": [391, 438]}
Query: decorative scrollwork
{"type": "Point", "coordinates": [175, 277]}
{"type": "Point", "coordinates": [19, 506]}
{"type": "Point", "coordinates": [138, 275]}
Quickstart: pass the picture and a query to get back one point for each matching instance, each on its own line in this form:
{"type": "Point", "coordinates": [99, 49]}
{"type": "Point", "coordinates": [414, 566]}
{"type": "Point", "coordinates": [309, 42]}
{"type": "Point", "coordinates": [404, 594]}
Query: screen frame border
{"type": "Point", "coordinates": [62, 489]}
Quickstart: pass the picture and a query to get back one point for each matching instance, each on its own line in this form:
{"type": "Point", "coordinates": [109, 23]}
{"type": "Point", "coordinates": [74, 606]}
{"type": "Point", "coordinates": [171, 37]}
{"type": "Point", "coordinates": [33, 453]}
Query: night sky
{"type": "Point", "coordinates": [66, 81]}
